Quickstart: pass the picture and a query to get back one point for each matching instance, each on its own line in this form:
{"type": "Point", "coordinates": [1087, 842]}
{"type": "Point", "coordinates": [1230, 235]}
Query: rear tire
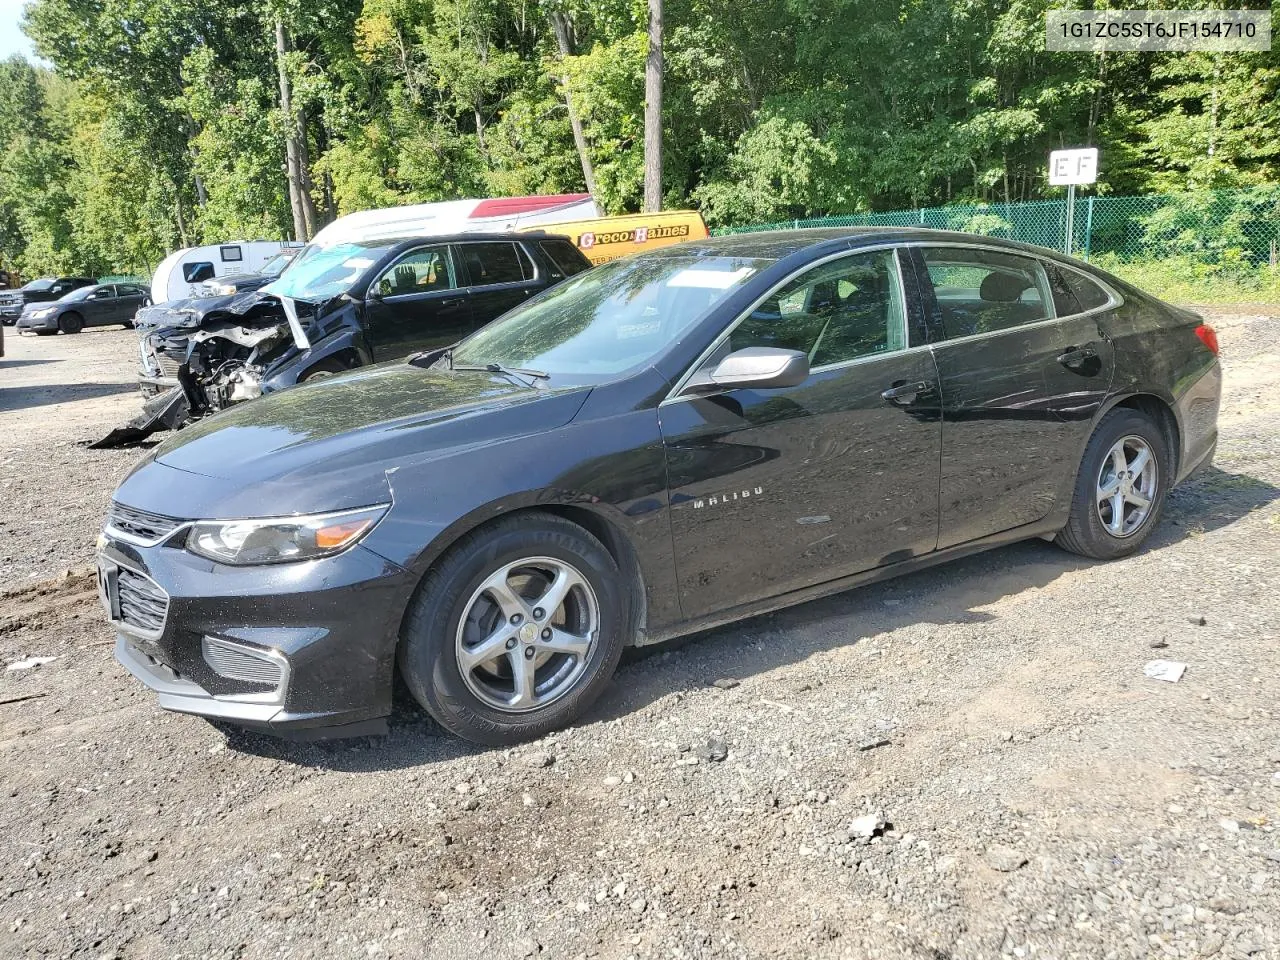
{"type": "Point", "coordinates": [71, 323]}
{"type": "Point", "coordinates": [485, 660]}
{"type": "Point", "coordinates": [1120, 490]}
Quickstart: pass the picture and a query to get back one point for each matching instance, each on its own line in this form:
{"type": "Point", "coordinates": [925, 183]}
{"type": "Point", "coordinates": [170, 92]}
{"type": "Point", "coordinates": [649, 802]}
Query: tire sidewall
{"type": "Point", "coordinates": [429, 656]}
{"type": "Point", "coordinates": [1116, 425]}
{"type": "Point", "coordinates": [70, 323]}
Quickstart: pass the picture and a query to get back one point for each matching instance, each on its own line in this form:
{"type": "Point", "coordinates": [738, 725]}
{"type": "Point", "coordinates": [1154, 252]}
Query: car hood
{"type": "Point", "coordinates": [362, 424]}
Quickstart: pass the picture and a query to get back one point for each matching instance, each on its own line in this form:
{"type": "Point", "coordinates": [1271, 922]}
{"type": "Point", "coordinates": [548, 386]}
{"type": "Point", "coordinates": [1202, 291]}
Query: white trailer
{"type": "Point", "coordinates": [495, 215]}
{"type": "Point", "coordinates": [181, 273]}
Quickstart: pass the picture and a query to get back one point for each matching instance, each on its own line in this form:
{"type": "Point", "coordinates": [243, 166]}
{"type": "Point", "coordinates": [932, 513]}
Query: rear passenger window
{"type": "Point", "coordinates": [983, 291]}
{"type": "Point", "coordinates": [1088, 294]}
{"type": "Point", "coordinates": [489, 263]}
{"type": "Point", "coordinates": [565, 256]}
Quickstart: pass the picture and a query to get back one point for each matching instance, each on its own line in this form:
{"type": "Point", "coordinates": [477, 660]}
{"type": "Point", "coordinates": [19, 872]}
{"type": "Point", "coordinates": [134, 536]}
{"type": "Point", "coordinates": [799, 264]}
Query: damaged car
{"type": "Point", "coordinates": [338, 306]}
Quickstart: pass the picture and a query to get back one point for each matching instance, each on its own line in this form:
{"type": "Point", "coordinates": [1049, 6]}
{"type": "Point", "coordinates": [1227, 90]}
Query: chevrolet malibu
{"type": "Point", "coordinates": [661, 444]}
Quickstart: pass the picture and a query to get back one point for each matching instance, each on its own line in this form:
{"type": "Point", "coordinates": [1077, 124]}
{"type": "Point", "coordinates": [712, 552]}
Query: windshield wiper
{"type": "Point", "coordinates": [514, 373]}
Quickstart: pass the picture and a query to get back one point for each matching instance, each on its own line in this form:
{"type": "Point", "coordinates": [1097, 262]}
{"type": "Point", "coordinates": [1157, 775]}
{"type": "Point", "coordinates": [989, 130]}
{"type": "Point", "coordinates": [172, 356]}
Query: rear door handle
{"type": "Point", "coordinates": [1075, 356]}
{"type": "Point", "coordinates": [903, 392]}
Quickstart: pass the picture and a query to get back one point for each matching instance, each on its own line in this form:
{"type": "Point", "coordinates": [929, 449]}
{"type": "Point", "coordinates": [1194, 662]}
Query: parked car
{"type": "Point", "coordinates": [40, 290]}
{"type": "Point", "coordinates": [337, 307]}
{"type": "Point", "coordinates": [244, 282]}
{"type": "Point", "coordinates": [662, 444]}
{"type": "Point", "coordinates": [100, 305]}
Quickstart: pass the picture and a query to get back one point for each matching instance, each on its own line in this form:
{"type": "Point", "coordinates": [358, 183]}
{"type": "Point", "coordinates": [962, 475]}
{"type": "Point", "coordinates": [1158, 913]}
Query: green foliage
{"type": "Point", "coordinates": [160, 123]}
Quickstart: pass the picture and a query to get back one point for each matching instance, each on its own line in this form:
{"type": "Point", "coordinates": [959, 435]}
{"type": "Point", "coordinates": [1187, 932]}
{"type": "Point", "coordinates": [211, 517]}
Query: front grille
{"type": "Point", "coordinates": [236, 662]}
{"type": "Point", "coordinates": [143, 603]}
{"type": "Point", "coordinates": [151, 527]}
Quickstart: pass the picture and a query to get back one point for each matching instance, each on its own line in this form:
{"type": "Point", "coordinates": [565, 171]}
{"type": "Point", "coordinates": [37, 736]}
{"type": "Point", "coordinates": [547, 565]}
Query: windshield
{"type": "Point", "coordinates": [275, 266]}
{"type": "Point", "coordinates": [320, 273]}
{"type": "Point", "coordinates": [36, 286]}
{"type": "Point", "coordinates": [80, 293]}
{"type": "Point", "coordinates": [608, 320]}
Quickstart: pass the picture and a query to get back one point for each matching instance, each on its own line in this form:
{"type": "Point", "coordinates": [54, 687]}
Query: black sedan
{"type": "Point", "coordinates": [100, 305]}
{"type": "Point", "coordinates": [661, 444]}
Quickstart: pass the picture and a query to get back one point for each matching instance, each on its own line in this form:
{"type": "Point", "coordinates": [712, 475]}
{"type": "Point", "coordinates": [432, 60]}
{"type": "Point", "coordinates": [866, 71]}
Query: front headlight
{"type": "Point", "coordinates": [222, 289]}
{"type": "Point", "coordinates": [282, 539]}
{"type": "Point", "coordinates": [37, 314]}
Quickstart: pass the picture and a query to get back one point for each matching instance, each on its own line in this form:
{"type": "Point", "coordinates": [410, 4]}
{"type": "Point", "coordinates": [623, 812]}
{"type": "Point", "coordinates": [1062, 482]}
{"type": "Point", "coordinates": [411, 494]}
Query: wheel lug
{"type": "Point", "coordinates": [511, 643]}
{"type": "Point", "coordinates": [528, 653]}
{"type": "Point", "coordinates": [546, 634]}
{"type": "Point", "coordinates": [516, 618]}
{"type": "Point", "coordinates": [539, 613]}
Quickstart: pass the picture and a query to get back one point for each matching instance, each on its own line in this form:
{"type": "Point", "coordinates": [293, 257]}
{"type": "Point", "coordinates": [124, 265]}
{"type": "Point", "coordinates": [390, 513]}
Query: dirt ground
{"type": "Point", "coordinates": [1042, 797]}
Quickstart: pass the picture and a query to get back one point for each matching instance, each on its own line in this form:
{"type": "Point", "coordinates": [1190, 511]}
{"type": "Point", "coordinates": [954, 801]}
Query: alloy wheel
{"type": "Point", "coordinates": [1126, 487]}
{"type": "Point", "coordinates": [527, 634]}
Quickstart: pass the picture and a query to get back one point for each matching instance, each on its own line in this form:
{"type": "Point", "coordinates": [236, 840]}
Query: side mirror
{"type": "Point", "coordinates": [753, 368]}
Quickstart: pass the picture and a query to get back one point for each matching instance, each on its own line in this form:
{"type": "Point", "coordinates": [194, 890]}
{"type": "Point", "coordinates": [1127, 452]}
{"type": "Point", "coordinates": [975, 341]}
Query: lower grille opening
{"type": "Point", "coordinates": [246, 664]}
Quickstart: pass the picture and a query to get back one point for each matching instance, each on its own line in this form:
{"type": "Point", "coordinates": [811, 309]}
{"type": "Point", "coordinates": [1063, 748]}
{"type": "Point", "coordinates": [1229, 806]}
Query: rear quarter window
{"type": "Point", "coordinates": [1088, 294]}
{"type": "Point", "coordinates": [564, 256]}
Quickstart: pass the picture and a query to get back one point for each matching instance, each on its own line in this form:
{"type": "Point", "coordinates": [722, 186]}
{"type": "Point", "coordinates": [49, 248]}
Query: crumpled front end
{"type": "Point", "coordinates": [197, 357]}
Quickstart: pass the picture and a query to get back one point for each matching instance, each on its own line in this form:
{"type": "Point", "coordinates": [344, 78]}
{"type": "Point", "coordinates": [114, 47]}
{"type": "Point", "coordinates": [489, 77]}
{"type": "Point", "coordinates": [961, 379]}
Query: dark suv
{"type": "Point", "coordinates": [338, 306]}
{"type": "Point", "coordinates": [40, 290]}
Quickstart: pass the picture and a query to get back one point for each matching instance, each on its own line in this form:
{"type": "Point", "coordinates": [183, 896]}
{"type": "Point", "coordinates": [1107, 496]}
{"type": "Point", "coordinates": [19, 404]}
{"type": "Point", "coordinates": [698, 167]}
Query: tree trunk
{"type": "Point", "coordinates": [653, 112]}
{"type": "Point", "coordinates": [178, 217]}
{"type": "Point", "coordinates": [561, 27]}
{"type": "Point", "coordinates": [295, 146]}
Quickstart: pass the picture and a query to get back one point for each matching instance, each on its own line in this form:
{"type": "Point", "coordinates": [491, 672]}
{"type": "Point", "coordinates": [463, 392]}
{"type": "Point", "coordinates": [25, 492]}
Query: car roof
{"type": "Point", "coordinates": [777, 244]}
{"type": "Point", "coordinates": [451, 238]}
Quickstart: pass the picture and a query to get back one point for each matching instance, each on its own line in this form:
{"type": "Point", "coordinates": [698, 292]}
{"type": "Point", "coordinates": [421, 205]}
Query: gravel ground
{"type": "Point", "coordinates": [1029, 793]}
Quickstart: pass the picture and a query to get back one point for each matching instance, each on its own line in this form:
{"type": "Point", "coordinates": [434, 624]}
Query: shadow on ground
{"type": "Point", "coordinates": [21, 398]}
{"type": "Point", "coordinates": [947, 594]}
{"type": "Point", "coordinates": [28, 363]}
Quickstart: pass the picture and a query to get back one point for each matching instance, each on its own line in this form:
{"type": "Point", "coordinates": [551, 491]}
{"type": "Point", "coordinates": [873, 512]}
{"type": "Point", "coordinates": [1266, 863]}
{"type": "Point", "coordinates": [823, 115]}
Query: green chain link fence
{"type": "Point", "coordinates": [1212, 244]}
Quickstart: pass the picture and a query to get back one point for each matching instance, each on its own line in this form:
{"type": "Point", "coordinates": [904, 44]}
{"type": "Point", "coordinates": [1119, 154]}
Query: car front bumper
{"type": "Point", "coordinates": [286, 648]}
{"type": "Point", "coordinates": [28, 322]}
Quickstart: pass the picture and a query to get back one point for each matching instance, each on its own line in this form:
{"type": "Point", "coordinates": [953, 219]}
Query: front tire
{"type": "Point", "coordinates": [323, 369]}
{"type": "Point", "coordinates": [1120, 490]}
{"type": "Point", "coordinates": [71, 323]}
{"type": "Point", "coordinates": [516, 631]}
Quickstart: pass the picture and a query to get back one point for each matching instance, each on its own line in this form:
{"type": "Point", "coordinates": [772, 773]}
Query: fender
{"type": "Point", "coordinates": [345, 338]}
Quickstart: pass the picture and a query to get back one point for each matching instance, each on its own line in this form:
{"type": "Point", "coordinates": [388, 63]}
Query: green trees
{"type": "Point", "coordinates": [171, 122]}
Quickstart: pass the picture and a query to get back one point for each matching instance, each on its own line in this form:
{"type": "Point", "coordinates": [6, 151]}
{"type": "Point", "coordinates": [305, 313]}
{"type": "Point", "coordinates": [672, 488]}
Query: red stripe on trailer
{"type": "Point", "coordinates": [509, 206]}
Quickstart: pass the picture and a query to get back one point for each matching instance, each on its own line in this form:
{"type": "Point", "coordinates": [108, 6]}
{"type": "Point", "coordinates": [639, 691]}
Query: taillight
{"type": "Point", "coordinates": [1208, 337]}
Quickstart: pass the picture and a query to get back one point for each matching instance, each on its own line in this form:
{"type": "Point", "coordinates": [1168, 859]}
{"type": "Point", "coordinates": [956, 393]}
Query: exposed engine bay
{"type": "Point", "coordinates": [201, 356]}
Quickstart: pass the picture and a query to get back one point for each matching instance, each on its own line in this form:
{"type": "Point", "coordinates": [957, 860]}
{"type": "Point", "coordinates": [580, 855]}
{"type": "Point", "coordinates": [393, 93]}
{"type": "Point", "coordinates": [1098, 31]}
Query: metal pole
{"type": "Point", "coordinates": [1071, 209]}
{"type": "Point", "coordinates": [1088, 230]}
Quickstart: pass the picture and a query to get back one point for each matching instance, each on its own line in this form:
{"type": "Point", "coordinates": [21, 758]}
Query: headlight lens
{"type": "Point", "coordinates": [222, 289]}
{"type": "Point", "coordinates": [282, 539]}
{"type": "Point", "coordinates": [42, 313]}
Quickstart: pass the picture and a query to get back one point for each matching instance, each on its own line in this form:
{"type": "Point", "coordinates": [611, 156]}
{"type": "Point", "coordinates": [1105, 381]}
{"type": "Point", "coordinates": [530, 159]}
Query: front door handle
{"type": "Point", "coordinates": [451, 302]}
{"type": "Point", "coordinates": [1076, 356]}
{"type": "Point", "coordinates": [903, 392]}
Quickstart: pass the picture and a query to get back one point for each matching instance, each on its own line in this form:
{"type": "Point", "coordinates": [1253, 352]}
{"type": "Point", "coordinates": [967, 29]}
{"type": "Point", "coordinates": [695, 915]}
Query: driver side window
{"type": "Point", "coordinates": [839, 311]}
{"type": "Point", "coordinates": [424, 270]}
